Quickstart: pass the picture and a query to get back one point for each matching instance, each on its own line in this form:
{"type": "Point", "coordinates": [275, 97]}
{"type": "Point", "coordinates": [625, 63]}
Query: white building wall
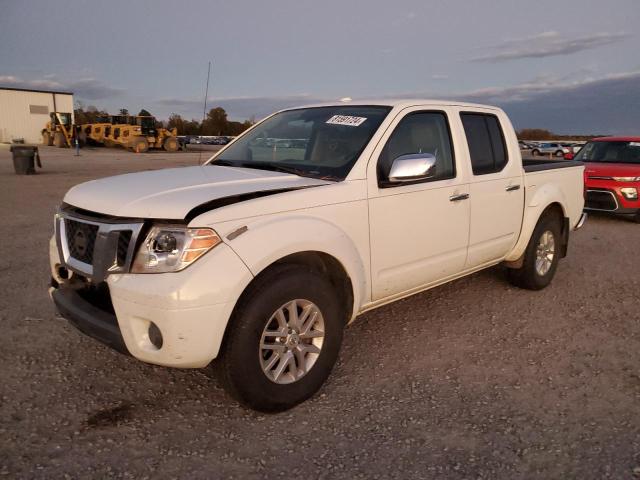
{"type": "Point", "coordinates": [17, 119]}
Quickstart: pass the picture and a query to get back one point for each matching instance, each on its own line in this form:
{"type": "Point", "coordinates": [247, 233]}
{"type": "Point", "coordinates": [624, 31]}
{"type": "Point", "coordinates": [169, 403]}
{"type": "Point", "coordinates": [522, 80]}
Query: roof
{"type": "Point", "coordinates": [35, 90]}
{"type": "Point", "coordinates": [401, 102]}
{"type": "Point", "coordinates": [616, 139]}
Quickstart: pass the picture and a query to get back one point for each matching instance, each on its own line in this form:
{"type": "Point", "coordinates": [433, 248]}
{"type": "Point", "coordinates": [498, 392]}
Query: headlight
{"type": "Point", "coordinates": [626, 179]}
{"type": "Point", "coordinates": [172, 248]}
{"type": "Point", "coordinates": [629, 193]}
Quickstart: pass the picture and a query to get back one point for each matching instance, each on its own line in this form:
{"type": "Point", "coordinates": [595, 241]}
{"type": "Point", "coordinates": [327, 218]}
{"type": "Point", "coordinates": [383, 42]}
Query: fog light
{"type": "Point", "coordinates": [629, 193]}
{"type": "Point", "coordinates": [155, 337]}
{"type": "Point", "coordinates": [63, 273]}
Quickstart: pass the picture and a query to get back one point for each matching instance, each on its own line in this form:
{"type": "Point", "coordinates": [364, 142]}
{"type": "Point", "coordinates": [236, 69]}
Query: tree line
{"type": "Point", "coordinates": [216, 121]}
{"type": "Point", "coordinates": [542, 134]}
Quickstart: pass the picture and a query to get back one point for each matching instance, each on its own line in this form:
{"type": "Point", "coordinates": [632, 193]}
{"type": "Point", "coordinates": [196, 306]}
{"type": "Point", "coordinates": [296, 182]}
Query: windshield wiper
{"type": "Point", "coordinates": [274, 167]}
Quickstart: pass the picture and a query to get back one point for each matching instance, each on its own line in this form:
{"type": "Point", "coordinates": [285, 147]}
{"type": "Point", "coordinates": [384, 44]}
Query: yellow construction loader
{"type": "Point", "coordinates": [139, 134]}
{"type": "Point", "coordinates": [58, 131]}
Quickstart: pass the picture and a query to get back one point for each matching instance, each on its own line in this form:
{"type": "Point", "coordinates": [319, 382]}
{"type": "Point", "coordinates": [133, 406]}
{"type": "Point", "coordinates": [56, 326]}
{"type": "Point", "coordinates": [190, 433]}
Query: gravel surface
{"type": "Point", "coordinates": [475, 379]}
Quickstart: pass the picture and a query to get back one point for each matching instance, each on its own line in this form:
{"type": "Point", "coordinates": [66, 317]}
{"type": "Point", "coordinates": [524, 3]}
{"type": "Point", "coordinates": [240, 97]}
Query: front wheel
{"type": "Point", "coordinates": [541, 256]}
{"type": "Point", "coordinates": [283, 339]}
{"type": "Point", "coordinates": [171, 144]}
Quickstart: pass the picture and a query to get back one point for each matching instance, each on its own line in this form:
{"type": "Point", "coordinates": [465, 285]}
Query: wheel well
{"type": "Point", "coordinates": [556, 210]}
{"type": "Point", "coordinates": [326, 265]}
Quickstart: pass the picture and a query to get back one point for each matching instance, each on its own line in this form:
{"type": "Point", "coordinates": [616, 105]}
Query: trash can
{"type": "Point", "coordinates": [24, 159]}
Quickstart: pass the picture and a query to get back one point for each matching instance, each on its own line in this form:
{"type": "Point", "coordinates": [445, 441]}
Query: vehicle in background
{"type": "Point", "coordinates": [524, 145]}
{"type": "Point", "coordinates": [612, 175]}
{"type": "Point", "coordinates": [259, 258]}
{"type": "Point", "coordinates": [556, 149]}
{"type": "Point", "coordinates": [58, 131]}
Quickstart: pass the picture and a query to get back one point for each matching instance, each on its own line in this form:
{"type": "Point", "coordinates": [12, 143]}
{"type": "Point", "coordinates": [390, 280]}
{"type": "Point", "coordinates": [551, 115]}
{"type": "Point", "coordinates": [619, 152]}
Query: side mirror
{"type": "Point", "coordinates": [568, 156]}
{"type": "Point", "coordinates": [414, 166]}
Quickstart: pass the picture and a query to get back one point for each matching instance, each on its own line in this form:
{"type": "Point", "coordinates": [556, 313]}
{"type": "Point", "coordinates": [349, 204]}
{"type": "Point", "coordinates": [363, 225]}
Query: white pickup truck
{"type": "Point", "coordinates": [260, 257]}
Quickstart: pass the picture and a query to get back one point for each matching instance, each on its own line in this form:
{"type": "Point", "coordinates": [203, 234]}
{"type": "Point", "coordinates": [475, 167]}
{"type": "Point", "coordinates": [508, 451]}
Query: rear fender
{"type": "Point", "coordinates": [540, 200]}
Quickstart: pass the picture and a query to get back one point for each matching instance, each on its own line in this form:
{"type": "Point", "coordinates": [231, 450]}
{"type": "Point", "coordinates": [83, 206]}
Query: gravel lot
{"type": "Point", "coordinates": [475, 379]}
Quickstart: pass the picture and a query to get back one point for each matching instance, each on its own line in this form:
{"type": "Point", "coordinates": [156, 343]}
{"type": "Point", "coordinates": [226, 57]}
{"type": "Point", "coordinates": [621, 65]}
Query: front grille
{"type": "Point", "coordinates": [94, 245]}
{"type": "Point", "coordinates": [81, 240]}
{"type": "Point", "coordinates": [123, 247]}
{"type": "Point", "coordinates": [601, 200]}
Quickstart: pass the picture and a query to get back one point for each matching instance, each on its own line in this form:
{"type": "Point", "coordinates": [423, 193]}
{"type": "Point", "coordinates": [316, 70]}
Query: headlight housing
{"type": "Point", "coordinates": [626, 179]}
{"type": "Point", "coordinates": [630, 193]}
{"type": "Point", "coordinates": [171, 248]}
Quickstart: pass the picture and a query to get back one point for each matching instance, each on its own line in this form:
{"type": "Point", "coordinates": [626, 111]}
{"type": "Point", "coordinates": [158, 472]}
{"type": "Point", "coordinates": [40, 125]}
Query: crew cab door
{"type": "Point", "coordinates": [496, 190]}
{"type": "Point", "coordinates": [418, 230]}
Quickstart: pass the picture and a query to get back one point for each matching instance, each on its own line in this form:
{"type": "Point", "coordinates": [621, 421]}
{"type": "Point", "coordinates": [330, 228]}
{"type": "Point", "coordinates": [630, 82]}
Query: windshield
{"type": "Point", "coordinates": [610, 152]}
{"type": "Point", "coordinates": [322, 142]}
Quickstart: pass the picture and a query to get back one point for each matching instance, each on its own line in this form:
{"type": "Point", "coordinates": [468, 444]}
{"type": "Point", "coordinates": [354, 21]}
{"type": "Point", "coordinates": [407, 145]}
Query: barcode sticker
{"type": "Point", "coordinates": [346, 120]}
{"type": "Point", "coordinates": [634, 144]}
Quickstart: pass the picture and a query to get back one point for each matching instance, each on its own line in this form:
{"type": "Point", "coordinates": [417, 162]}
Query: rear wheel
{"type": "Point", "coordinates": [139, 145]}
{"type": "Point", "coordinates": [559, 153]}
{"type": "Point", "coordinates": [283, 339]}
{"type": "Point", "coordinates": [541, 256]}
{"type": "Point", "coordinates": [171, 144]}
{"type": "Point", "coordinates": [535, 152]}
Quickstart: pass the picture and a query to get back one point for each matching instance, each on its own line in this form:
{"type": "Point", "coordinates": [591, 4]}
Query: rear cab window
{"type": "Point", "coordinates": [487, 147]}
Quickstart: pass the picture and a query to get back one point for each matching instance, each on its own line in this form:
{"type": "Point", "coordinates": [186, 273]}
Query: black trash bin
{"type": "Point", "coordinates": [24, 159]}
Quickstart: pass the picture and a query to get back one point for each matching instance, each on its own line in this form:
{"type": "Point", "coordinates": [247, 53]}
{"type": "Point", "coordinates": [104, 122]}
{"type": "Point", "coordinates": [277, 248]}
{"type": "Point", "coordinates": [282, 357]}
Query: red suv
{"type": "Point", "coordinates": [612, 175]}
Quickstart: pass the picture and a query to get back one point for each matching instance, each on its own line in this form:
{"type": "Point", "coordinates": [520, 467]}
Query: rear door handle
{"type": "Point", "coordinates": [457, 198]}
{"type": "Point", "coordinates": [511, 188]}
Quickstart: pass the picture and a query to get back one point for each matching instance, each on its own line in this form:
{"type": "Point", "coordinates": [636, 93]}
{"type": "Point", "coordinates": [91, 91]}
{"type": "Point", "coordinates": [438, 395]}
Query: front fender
{"type": "Point", "coordinates": [540, 200]}
{"type": "Point", "coordinates": [270, 239]}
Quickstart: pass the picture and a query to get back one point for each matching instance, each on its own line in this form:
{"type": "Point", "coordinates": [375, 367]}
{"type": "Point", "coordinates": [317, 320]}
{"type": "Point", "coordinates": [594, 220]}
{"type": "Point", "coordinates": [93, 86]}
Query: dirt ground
{"type": "Point", "coordinates": [475, 379]}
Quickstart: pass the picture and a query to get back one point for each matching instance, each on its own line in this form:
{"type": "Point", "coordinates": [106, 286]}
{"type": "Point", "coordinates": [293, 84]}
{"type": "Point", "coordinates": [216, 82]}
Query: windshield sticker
{"type": "Point", "coordinates": [634, 144]}
{"type": "Point", "coordinates": [346, 120]}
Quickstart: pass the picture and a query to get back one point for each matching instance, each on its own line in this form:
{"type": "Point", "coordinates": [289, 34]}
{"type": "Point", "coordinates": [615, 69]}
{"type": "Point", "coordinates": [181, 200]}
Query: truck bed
{"type": "Point", "coordinates": [539, 165]}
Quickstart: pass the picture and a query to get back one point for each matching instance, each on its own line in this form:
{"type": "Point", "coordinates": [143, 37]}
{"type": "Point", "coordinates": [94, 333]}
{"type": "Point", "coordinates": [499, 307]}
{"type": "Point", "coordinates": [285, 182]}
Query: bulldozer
{"type": "Point", "coordinates": [58, 131]}
{"type": "Point", "coordinates": [139, 133]}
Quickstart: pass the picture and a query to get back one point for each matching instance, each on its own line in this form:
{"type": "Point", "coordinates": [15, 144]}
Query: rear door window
{"type": "Point", "coordinates": [486, 142]}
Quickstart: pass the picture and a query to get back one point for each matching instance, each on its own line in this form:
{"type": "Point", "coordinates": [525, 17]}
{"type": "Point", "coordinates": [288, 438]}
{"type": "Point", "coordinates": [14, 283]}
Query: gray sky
{"type": "Point", "coordinates": [572, 66]}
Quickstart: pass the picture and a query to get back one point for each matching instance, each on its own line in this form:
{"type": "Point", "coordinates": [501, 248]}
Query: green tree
{"type": "Point", "coordinates": [216, 122]}
{"type": "Point", "coordinates": [144, 113]}
{"type": "Point", "coordinates": [124, 111]}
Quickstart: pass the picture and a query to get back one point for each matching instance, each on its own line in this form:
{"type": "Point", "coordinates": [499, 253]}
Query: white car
{"type": "Point", "coordinates": [259, 258]}
{"type": "Point", "coordinates": [556, 149]}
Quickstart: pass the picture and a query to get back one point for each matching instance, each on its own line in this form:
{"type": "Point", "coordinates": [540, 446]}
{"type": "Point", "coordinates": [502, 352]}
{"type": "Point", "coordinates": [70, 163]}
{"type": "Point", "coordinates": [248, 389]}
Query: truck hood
{"type": "Point", "coordinates": [601, 169]}
{"type": "Point", "coordinates": [172, 193]}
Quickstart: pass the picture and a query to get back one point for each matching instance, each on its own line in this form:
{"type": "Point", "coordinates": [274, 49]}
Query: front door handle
{"type": "Point", "coordinates": [511, 188]}
{"type": "Point", "coordinates": [457, 198]}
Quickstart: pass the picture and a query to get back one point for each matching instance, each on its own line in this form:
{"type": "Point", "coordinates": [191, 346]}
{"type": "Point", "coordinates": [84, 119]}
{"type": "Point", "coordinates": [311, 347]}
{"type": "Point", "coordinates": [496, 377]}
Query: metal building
{"type": "Point", "coordinates": [25, 112]}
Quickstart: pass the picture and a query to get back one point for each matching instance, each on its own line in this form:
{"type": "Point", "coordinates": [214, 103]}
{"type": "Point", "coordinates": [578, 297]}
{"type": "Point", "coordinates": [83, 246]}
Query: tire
{"type": "Point", "coordinates": [529, 276]}
{"type": "Point", "coordinates": [109, 143]}
{"type": "Point", "coordinates": [559, 153]}
{"type": "Point", "coordinates": [46, 139]}
{"type": "Point", "coordinates": [139, 145]}
{"type": "Point", "coordinates": [171, 144]}
{"type": "Point", "coordinates": [244, 366]}
{"type": "Point", "coordinates": [58, 140]}
{"type": "Point", "coordinates": [535, 152]}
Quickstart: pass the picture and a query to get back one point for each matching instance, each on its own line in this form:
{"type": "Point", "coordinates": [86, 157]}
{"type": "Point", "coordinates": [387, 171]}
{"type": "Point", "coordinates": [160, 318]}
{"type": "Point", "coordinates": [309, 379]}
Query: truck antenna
{"type": "Point", "coordinates": [204, 111]}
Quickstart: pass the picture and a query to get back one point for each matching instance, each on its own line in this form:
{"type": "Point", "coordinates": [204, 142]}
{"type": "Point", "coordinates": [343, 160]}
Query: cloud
{"type": "Point", "coordinates": [548, 44]}
{"type": "Point", "coordinates": [239, 108]}
{"type": "Point", "coordinates": [439, 76]}
{"type": "Point", "coordinates": [568, 104]}
{"type": "Point", "coordinates": [606, 105]}
{"type": "Point", "coordinates": [83, 88]}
